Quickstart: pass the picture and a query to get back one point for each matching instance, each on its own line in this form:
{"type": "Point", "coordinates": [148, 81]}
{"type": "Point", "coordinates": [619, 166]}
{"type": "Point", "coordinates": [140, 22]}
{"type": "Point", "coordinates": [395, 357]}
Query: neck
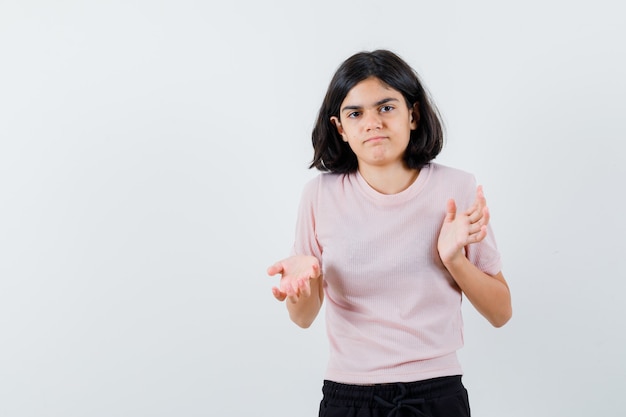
{"type": "Point", "coordinates": [389, 180]}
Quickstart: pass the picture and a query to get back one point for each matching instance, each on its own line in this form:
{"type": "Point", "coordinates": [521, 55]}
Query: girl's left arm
{"type": "Point", "coordinates": [489, 294]}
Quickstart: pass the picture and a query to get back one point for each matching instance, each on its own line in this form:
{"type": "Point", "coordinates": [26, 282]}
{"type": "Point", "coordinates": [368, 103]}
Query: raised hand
{"type": "Point", "coordinates": [462, 229]}
{"type": "Point", "coordinates": [296, 275]}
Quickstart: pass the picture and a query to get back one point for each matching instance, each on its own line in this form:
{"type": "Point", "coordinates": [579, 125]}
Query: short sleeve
{"type": "Point", "coordinates": [305, 242]}
{"type": "Point", "coordinates": [485, 254]}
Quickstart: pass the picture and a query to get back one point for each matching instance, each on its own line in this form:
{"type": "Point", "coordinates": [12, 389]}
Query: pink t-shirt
{"type": "Point", "coordinates": [393, 312]}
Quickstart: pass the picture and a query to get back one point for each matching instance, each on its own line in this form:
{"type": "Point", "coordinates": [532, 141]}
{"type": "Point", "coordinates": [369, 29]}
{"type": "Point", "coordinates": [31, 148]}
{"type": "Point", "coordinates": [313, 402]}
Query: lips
{"type": "Point", "coordinates": [375, 139]}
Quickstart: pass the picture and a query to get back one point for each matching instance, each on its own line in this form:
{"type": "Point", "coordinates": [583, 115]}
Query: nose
{"type": "Point", "coordinates": [372, 120]}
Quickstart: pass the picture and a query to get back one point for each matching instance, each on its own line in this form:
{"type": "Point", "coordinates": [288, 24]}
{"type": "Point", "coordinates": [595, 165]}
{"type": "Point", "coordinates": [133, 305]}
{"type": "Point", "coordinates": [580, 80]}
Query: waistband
{"type": "Point", "coordinates": [377, 394]}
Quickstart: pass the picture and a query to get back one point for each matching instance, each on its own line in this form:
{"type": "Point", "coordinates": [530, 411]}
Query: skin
{"type": "Point", "coordinates": [376, 123]}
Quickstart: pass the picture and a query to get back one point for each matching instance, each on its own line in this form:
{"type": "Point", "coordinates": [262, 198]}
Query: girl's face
{"type": "Point", "coordinates": [376, 122]}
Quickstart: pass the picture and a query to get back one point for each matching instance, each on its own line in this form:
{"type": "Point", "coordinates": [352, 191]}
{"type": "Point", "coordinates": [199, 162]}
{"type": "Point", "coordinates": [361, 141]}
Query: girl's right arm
{"type": "Point", "coordinates": [301, 287]}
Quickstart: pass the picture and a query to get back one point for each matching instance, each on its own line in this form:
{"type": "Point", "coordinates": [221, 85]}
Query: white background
{"type": "Point", "coordinates": [152, 155]}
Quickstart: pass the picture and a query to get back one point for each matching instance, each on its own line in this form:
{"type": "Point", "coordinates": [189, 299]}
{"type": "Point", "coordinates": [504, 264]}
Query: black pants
{"type": "Point", "coordinates": [437, 397]}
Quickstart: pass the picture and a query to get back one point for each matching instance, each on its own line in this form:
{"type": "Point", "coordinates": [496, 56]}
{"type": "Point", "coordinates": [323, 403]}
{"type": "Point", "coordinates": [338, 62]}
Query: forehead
{"type": "Point", "coordinates": [369, 92]}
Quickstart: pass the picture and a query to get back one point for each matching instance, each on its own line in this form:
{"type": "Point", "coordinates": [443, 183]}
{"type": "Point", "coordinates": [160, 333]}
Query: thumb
{"type": "Point", "coordinates": [450, 210]}
{"type": "Point", "coordinates": [316, 271]}
{"type": "Point", "coordinates": [277, 268]}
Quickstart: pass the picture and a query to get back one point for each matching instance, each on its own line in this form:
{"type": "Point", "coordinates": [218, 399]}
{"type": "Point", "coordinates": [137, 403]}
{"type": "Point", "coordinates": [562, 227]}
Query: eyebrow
{"type": "Point", "coordinates": [378, 103]}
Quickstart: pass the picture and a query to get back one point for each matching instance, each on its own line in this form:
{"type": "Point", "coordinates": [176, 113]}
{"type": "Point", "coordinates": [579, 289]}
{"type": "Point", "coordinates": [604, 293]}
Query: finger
{"type": "Point", "coordinates": [304, 287]}
{"type": "Point", "coordinates": [316, 270]}
{"type": "Point", "coordinates": [277, 268]}
{"type": "Point", "coordinates": [486, 216]}
{"type": "Point", "coordinates": [295, 286]}
{"type": "Point", "coordinates": [450, 210]}
{"type": "Point", "coordinates": [475, 213]}
{"type": "Point", "coordinates": [478, 236]}
{"type": "Point", "coordinates": [288, 291]}
{"type": "Point", "coordinates": [475, 227]}
{"type": "Point", "coordinates": [480, 194]}
{"type": "Point", "coordinates": [278, 294]}
{"type": "Point", "coordinates": [292, 298]}
{"type": "Point", "coordinates": [479, 216]}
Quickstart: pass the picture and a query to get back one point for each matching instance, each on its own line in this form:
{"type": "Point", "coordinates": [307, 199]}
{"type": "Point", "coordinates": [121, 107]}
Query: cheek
{"type": "Point", "coordinates": [351, 130]}
{"type": "Point", "coordinates": [346, 135]}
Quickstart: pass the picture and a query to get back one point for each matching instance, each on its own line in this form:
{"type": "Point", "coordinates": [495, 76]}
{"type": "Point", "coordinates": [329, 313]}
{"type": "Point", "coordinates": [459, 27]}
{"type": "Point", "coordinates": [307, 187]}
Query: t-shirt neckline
{"type": "Point", "coordinates": [408, 193]}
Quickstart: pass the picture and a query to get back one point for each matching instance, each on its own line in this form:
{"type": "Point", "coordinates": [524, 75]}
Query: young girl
{"type": "Point", "coordinates": [380, 239]}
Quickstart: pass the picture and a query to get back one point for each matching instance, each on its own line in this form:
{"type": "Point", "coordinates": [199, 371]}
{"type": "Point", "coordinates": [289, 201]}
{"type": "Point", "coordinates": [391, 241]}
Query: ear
{"type": "Point", "coordinates": [335, 121]}
{"type": "Point", "coordinates": [415, 116]}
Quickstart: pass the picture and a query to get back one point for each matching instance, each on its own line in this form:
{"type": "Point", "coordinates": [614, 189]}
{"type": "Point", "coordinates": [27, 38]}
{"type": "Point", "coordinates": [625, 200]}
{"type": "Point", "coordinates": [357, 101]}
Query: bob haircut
{"type": "Point", "coordinates": [332, 154]}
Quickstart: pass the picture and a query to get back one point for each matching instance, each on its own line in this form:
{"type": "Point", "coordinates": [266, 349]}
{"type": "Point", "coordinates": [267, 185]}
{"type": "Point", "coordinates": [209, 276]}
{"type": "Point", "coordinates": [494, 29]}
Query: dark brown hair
{"type": "Point", "coordinates": [332, 154]}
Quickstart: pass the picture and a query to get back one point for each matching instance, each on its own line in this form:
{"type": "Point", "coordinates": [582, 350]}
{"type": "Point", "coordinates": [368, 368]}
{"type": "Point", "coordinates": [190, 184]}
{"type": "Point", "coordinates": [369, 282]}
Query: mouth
{"type": "Point", "coordinates": [374, 139]}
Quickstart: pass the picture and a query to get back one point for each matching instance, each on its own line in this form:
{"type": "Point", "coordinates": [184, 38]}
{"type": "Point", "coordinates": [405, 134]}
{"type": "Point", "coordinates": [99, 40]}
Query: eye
{"type": "Point", "coordinates": [354, 114]}
{"type": "Point", "coordinates": [386, 109]}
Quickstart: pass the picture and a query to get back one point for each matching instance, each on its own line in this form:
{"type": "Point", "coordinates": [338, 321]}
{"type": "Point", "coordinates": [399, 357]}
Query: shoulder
{"type": "Point", "coordinates": [453, 183]}
{"type": "Point", "coordinates": [323, 180]}
{"type": "Point", "coordinates": [451, 175]}
{"type": "Point", "coordinates": [441, 169]}
{"type": "Point", "coordinates": [321, 183]}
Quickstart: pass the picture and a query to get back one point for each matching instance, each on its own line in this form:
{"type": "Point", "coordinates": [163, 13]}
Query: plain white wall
{"type": "Point", "coordinates": [152, 155]}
